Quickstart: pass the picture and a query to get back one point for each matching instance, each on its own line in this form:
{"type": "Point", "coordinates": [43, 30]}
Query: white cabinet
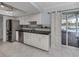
{"type": "Point", "coordinates": [44, 42]}
{"type": "Point", "coordinates": [30, 38]}
{"type": "Point", "coordinates": [37, 40]}
{"type": "Point", "coordinates": [27, 38]}
{"type": "Point", "coordinates": [41, 18]}
{"type": "Point", "coordinates": [24, 20]}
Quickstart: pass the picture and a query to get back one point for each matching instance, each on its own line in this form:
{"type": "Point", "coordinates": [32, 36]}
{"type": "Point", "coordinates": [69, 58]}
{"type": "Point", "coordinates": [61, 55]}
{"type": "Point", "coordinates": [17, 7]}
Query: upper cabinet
{"type": "Point", "coordinates": [24, 20]}
{"type": "Point", "coordinates": [41, 18]}
{"type": "Point", "coordinates": [45, 18]}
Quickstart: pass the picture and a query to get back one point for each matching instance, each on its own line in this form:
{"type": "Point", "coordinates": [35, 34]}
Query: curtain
{"type": "Point", "coordinates": [56, 29]}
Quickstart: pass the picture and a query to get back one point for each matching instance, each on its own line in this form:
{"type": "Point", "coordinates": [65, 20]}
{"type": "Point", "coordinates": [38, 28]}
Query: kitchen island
{"type": "Point", "coordinates": [36, 38]}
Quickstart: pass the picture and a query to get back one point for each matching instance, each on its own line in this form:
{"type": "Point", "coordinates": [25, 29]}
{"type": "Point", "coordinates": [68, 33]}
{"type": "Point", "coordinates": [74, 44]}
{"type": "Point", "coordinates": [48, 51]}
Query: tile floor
{"type": "Point", "coordinates": [17, 49]}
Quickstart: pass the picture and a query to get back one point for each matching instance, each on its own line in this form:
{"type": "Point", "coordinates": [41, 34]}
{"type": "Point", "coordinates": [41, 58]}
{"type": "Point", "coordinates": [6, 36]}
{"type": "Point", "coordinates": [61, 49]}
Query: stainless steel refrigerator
{"type": "Point", "coordinates": [11, 27]}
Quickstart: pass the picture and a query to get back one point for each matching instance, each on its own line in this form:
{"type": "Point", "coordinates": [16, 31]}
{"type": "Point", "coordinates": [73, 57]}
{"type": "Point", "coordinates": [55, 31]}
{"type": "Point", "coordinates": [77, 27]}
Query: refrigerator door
{"type": "Point", "coordinates": [9, 29]}
{"type": "Point", "coordinates": [15, 26]}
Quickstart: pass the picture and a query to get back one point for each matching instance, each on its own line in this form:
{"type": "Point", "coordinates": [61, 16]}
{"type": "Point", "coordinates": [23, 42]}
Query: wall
{"type": "Point", "coordinates": [1, 27]}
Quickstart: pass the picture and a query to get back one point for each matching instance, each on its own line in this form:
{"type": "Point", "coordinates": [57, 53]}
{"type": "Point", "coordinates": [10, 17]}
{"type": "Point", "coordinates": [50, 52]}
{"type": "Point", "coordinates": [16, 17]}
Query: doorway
{"type": "Point", "coordinates": [70, 29]}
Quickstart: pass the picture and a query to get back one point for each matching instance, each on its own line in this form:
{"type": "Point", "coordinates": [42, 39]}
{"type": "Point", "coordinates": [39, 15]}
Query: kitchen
{"type": "Point", "coordinates": [34, 35]}
{"type": "Point", "coordinates": [34, 28]}
{"type": "Point", "coordinates": [31, 30]}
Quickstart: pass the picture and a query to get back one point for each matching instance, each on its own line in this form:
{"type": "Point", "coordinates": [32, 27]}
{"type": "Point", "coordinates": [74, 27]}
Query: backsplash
{"type": "Point", "coordinates": [35, 26]}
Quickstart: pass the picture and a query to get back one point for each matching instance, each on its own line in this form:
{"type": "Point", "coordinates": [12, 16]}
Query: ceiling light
{"type": "Point", "coordinates": [2, 6]}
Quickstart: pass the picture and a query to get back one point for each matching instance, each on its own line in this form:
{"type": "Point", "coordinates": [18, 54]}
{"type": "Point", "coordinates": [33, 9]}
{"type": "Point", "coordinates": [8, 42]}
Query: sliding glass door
{"type": "Point", "coordinates": [78, 29]}
{"type": "Point", "coordinates": [64, 29]}
{"type": "Point", "coordinates": [70, 29]}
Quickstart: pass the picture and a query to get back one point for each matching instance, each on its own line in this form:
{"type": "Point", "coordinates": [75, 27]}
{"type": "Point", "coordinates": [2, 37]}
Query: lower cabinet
{"type": "Point", "coordinates": [37, 40]}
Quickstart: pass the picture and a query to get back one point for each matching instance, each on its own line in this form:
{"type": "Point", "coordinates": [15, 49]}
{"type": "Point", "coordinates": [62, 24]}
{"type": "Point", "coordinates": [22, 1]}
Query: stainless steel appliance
{"type": "Point", "coordinates": [11, 27]}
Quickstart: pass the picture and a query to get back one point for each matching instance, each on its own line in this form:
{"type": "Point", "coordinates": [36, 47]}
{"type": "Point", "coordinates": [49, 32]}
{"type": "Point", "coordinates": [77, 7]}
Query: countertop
{"type": "Point", "coordinates": [34, 31]}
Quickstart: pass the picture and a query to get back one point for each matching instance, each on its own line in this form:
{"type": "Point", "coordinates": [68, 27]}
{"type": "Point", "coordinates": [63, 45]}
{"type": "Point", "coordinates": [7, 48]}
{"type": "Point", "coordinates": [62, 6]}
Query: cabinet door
{"type": "Point", "coordinates": [31, 39]}
{"type": "Point", "coordinates": [44, 42]}
{"type": "Point", "coordinates": [35, 39]}
{"type": "Point", "coordinates": [27, 38]}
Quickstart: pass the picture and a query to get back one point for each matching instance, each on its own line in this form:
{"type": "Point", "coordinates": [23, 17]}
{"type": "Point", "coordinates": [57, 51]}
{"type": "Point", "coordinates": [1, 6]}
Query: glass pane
{"type": "Point", "coordinates": [72, 40]}
{"type": "Point", "coordinates": [78, 30]}
{"type": "Point", "coordinates": [63, 29]}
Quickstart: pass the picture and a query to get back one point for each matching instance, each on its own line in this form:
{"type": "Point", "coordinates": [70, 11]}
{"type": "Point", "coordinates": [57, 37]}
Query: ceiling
{"type": "Point", "coordinates": [36, 7]}
{"type": "Point", "coordinates": [46, 5]}
{"type": "Point", "coordinates": [26, 7]}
